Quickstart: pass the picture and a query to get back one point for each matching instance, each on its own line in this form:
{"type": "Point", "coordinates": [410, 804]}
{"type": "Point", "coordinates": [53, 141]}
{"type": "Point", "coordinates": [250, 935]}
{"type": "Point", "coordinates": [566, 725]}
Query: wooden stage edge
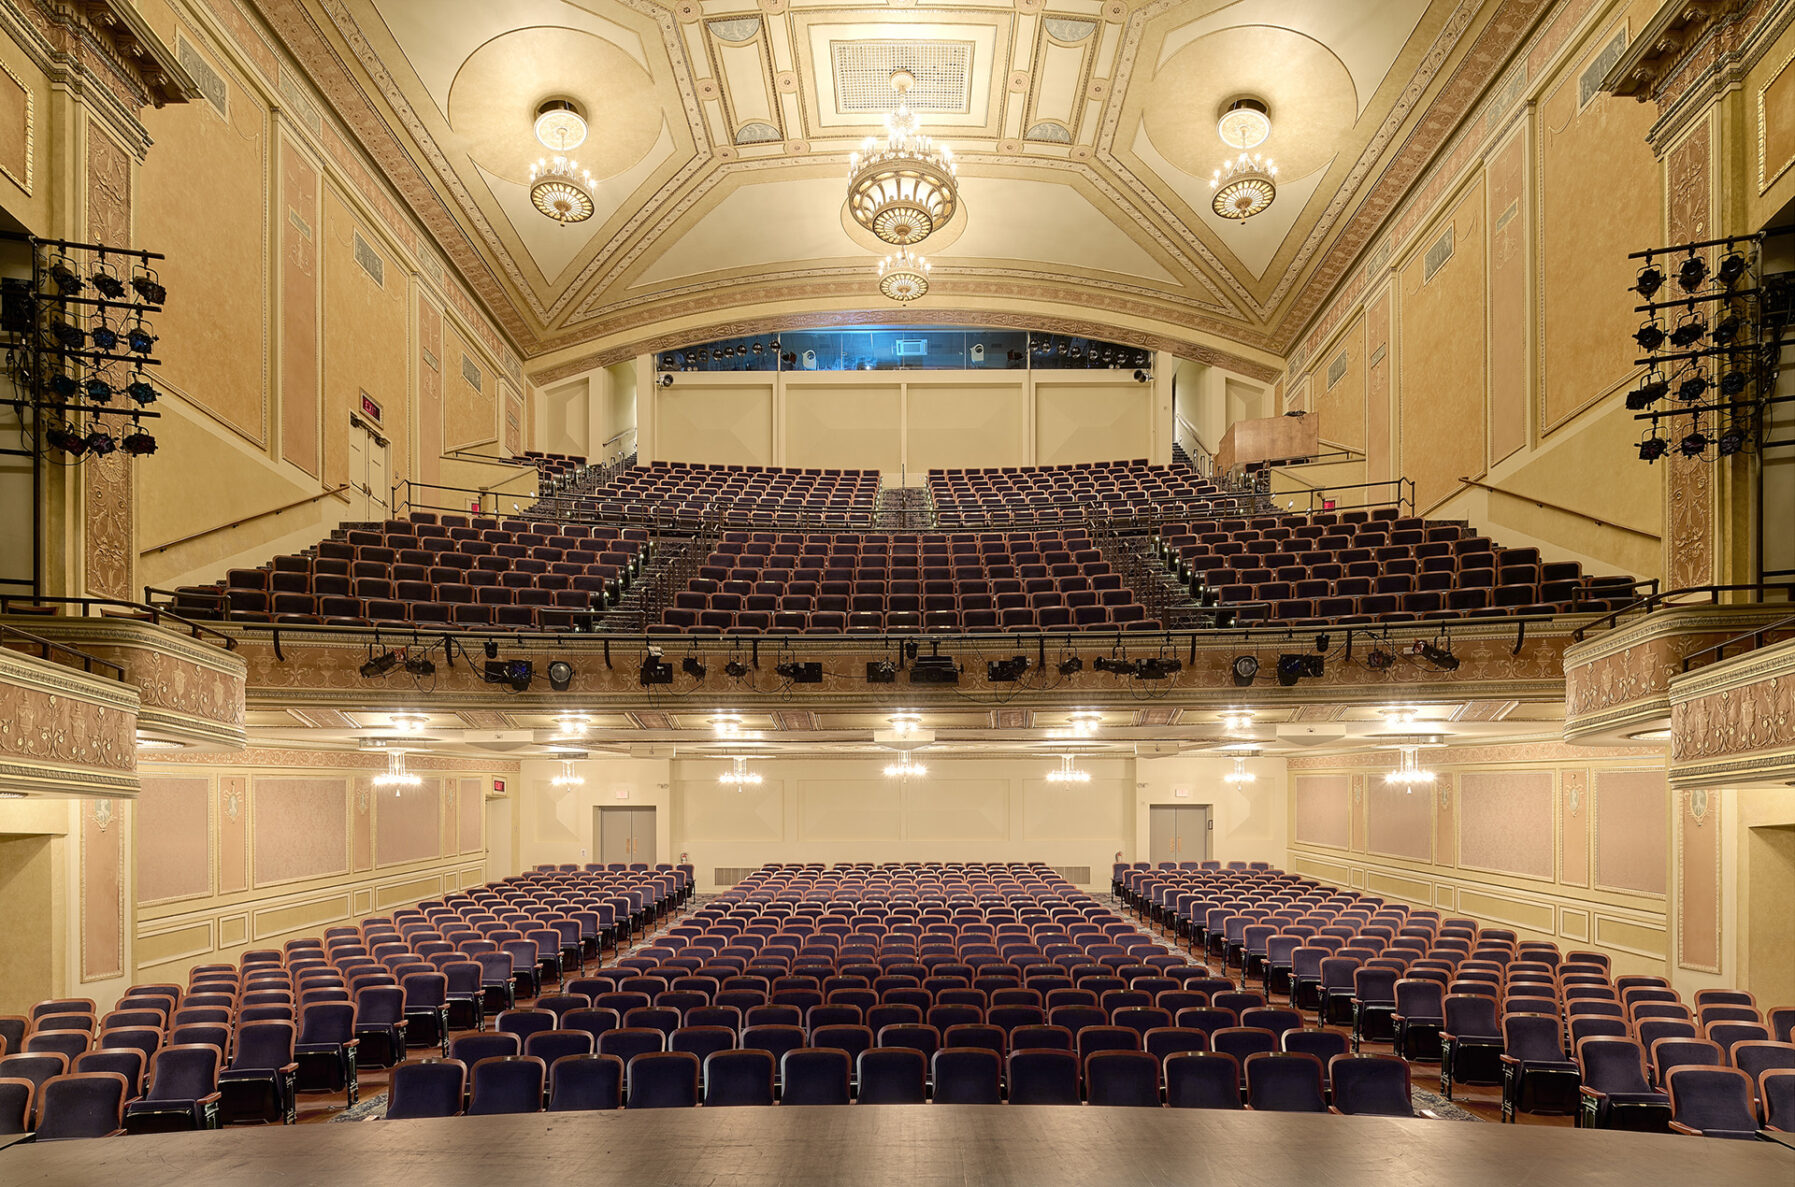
{"type": "Point", "coordinates": [907, 1146]}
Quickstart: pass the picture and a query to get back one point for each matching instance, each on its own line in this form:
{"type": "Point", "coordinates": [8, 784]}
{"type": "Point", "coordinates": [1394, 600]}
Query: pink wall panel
{"type": "Point", "coordinates": [1445, 822]}
{"type": "Point", "coordinates": [1575, 808]}
{"type": "Point", "coordinates": [451, 816]}
{"type": "Point", "coordinates": [174, 839]}
{"type": "Point", "coordinates": [102, 889]}
{"type": "Point", "coordinates": [1399, 821]}
{"type": "Point", "coordinates": [301, 829]}
{"type": "Point", "coordinates": [1632, 810]}
{"type": "Point", "coordinates": [1323, 805]}
{"type": "Point", "coordinates": [1698, 881]}
{"type": "Point", "coordinates": [1505, 822]}
{"type": "Point", "coordinates": [408, 825]}
{"type": "Point", "coordinates": [233, 834]}
{"type": "Point", "coordinates": [473, 815]}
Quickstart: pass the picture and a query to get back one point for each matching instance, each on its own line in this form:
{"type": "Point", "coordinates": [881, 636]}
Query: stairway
{"type": "Point", "coordinates": [661, 577]}
{"type": "Point", "coordinates": [1155, 586]}
{"type": "Point", "coordinates": [903, 509]}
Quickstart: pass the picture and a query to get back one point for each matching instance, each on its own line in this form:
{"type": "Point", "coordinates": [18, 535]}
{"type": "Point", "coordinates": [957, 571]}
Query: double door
{"type": "Point", "coordinates": [1178, 832]}
{"type": "Point", "coordinates": [625, 834]}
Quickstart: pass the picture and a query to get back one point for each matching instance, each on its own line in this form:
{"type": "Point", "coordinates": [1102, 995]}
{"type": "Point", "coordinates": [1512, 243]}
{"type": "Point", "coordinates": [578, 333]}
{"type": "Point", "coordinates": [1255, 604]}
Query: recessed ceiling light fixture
{"type": "Point", "coordinates": [560, 126]}
{"type": "Point", "coordinates": [904, 724]}
{"type": "Point", "coordinates": [1084, 722]}
{"type": "Point", "coordinates": [572, 725]}
{"type": "Point", "coordinates": [408, 723]}
{"type": "Point", "coordinates": [1237, 720]}
{"type": "Point", "coordinates": [1400, 715]}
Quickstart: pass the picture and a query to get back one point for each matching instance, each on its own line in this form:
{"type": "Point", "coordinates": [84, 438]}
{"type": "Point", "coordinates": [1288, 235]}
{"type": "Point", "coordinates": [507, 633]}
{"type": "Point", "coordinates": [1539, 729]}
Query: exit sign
{"type": "Point", "coordinates": [369, 407]}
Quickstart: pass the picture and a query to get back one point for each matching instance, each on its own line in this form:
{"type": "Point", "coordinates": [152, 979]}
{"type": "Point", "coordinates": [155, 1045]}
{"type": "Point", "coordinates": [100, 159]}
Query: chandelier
{"type": "Point", "coordinates": [739, 776]}
{"type": "Point", "coordinates": [903, 276]}
{"type": "Point", "coordinates": [905, 769]}
{"type": "Point", "coordinates": [558, 189]}
{"type": "Point", "coordinates": [568, 776]}
{"type": "Point", "coordinates": [902, 190]}
{"type": "Point", "coordinates": [1068, 772]}
{"type": "Point", "coordinates": [1247, 184]}
{"type": "Point", "coordinates": [1240, 774]}
{"type": "Point", "coordinates": [396, 776]}
{"type": "Point", "coordinates": [1409, 772]}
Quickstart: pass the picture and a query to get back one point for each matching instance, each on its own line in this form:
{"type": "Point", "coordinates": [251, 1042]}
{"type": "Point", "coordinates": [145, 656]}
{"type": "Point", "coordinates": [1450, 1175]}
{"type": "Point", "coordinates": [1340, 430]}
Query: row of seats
{"type": "Point", "coordinates": [472, 571]}
{"type": "Point", "coordinates": [1359, 567]}
{"type": "Point", "coordinates": [892, 581]}
{"type": "Point", "coordinates": [981, 496]}
{"type": "Point", "coordinates": [735, 493]}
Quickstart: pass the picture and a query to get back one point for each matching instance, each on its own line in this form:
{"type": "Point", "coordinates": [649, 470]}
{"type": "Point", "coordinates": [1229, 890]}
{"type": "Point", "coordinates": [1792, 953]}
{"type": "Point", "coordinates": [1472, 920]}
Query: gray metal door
{"type": "Point", "coordinates": [615, 826]}
{"type": "Point", "coordinates": [1193, 833]}
{"type": "Point", "coordinates": [1162, 833]}
{"type": "Point", "coordinates": [641, 835]}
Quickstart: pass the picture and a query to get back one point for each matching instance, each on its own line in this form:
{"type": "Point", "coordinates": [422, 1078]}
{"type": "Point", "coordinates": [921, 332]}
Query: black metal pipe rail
{"type": "Point", "coordinates": [156, 614]}
{"type": "Point", "coordinates": [49, 649]}
{"type": "Point", "coordinates": [1758, 637]}
{"type": "Point", "coordinates": [1657, 598]}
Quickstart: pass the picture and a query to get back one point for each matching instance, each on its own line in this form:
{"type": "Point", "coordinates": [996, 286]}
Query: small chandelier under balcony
{"type": "Point", "coordinates": [396, 776]}
{"type": "Point", "coordinates": [739, 776]}
{"type": "Point", "coordinates": [904, 189]}
{"type": "Point", "coordinates": [1068, 772]}
{"type": "Point", "coordinates": [569, 777]}
{"type": "Point", "coordinates": [560, 189]}
{"type": "Point", "coordinates": [1409, 772]}
{"type": "Point", "coordinates": [904, 276]}
{"type": "Point", "coordinates": [1240, 774]}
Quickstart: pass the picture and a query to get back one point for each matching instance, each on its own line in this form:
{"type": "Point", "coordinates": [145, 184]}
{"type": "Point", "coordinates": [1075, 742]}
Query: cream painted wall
{"type": "Point", "coordinates": [1249, 821]}
{"type": "Point", "coordinates": [554, 824]}
{"type": "Point", "coordinates": [905, 423]}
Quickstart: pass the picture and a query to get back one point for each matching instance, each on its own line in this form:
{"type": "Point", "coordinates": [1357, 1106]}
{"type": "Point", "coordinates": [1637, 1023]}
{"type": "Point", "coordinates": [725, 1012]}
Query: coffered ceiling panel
{"type": "Point", "coordinates": [1085, 132]}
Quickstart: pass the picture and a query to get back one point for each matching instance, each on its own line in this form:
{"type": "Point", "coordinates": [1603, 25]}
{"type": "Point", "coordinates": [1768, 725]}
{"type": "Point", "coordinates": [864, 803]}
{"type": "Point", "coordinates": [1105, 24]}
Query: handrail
{"type": "Point", "coordinates": [156, 613]}
{"type": "Point", "coordinates": [618, 436]}
{"type": "Point", "coordinates": [488, 459]}
{"type": "Point", "coordinates": [50, 645]}
{"type": "Point", "coordinates": [237, 523]}
{"type": "Point", "coordinates": [1657, 598]}
{"type": "Point", "coordinates": [1756, 636]}
{"type": "Point", "coordinates": [1619, 527]}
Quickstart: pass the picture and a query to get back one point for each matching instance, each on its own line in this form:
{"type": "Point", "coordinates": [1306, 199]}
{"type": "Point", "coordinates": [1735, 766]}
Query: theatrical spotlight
{"type": "Point", "coordinates": [516, 673]}
{"type": "Point", "coordinates": [492, 649]}
{"type": "Point", "coordinates": [67, 440]}
{"type": "Point", "coordinates": [1655, 388]}
{"type": "Point", "coordinates": [1730, 442]}
{"type": "Point", "coordinates": [100, 443]}
{"type": "Point", "coordinates": [655, 670]}
{"type": "Point", "coordinates": [1293, 667]}
{"type": "Point", "coordinates": [1728, 329]}
{"type": "Point", "coordinates": [1115, 667]}
{"type": "Point", "coordinates": [1071, 666]}
{"type": "Point", "coordinates": [801, 673]}
{"type": "Point", "coordinates": [1691, 273]}
{"type": "Point", "coordinates": [1650, 336]}
{"type": "Point", "coordinates": [1379, 660]}
{"type": "Point", "coordinates": [1692, 389]}
{"type": "Point", "coordinates": [138, 444]}
{"type": "Point", "coordinates": [1158, 667]}
{"type": "Point", "coordinates": [1694, 445]}
{"type": "Point", "coordinates": [693, 667]}
{"type": "Point", "coordinates": [1731, 269]}
{"type": "Point", "coordinates": [1732, 383]}
{"type": "Point", "coordinates": [1689, 330]}
{"type": "Point", "coordinates": [1653, 448]}
{"type": "Point", "coordinates": [881, 671]}
{"type": "Point", "coordinates": [1651, 279]}
{"type": "Point", "coordinates": [735, 669]}
{"type": "Point", "coordinates": [419, 666]}
{"type": "Point", "coordinates": [1440, 657]}
{"type": "Point", "coordinates": [1006, 671]}
{"type": "Point", "coordinates": [1246, 670]}
{"type": "Point", "coordinates": [560, 675]}
{"type": "Point", "coordinates": [379, 665]}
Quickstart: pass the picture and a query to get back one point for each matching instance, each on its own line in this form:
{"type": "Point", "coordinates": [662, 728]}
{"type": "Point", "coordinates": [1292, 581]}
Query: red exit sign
{"type": "Point", "coordinates": [369, 407]}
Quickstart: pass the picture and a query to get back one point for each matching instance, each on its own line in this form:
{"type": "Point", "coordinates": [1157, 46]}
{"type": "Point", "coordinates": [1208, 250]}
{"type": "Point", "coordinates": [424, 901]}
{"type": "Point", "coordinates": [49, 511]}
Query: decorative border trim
{"type": "Point", "coordinates": [30, 135]}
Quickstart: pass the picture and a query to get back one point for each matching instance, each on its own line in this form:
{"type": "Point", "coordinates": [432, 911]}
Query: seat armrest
{"type": "Point", "coordinates": [1679, 1127]}
{"type": "Point", "coordinates": [211, 1098]}
{"type": "Point", "coordinates": [289, 1069]}
{"type": "Point", "coordinates": [351, 1044]}
{"type": "Point", "coordinates": [1507, 1058]}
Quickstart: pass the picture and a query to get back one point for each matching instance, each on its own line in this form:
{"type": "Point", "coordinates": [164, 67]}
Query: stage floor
{"type": "Point", "coordinates": [906, 1146]}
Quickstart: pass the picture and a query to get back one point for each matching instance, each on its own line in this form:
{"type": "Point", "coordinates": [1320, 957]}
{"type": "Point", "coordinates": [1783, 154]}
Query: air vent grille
{"type": "Point", "coordinates": [863, 71]}
{"type": "Point", "coordinates": [730, 875]}
{"type": "Point", "coordinates": [1077, 875]}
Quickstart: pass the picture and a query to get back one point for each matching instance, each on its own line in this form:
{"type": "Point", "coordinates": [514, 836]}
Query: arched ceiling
{"type": "Point", "coordinates": [1085, 131]}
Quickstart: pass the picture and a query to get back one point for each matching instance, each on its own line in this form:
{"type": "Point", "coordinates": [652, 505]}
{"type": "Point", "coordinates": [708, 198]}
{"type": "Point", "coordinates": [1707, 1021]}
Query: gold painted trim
{"type": "Point", "coordinates": [30, 135]}
{"type": "Point", "coordinates": [1766, 179]}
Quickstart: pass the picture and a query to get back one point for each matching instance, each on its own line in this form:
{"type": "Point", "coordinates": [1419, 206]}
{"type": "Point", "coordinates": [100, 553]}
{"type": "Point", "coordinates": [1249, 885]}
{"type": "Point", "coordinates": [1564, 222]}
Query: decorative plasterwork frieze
{"type": "Point", "coordinates": [64, 732]}
{"type": "Point", "coordinates": [1659, 48]}
{"type": "Point", "coordinates": [1733, 722]}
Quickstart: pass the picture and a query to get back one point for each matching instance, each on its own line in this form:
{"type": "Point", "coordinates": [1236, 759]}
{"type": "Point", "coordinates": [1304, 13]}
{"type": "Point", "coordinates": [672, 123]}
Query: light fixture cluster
{"type": "Point", "coordinates": [559, 187]}
{"type": "Point", "coordinates": [1409, 772]}
{"type": "Point", "coordinates": [903, 188]}
{"type": "Point", "coordinates": [397, 776]}
{"type": "Point", "coordinates": [1068, 772]}
{"type": "Point", "coordinates": [568, 777]}
{"type": "Point", "coordinates": [1237, 721]}
{"type": "Point", "coordinates": [1239, 774]}
{"type": "Point", "coordinates": [572, 725]}
{"type": "Point", "coordinates": [1247, 183]}
{"type": "Point", "coordinates": [1084, 722]}
{"type": "Point", "coordinates": [905, 768]}
{"type": "Point", "coordinates": [739, 776]}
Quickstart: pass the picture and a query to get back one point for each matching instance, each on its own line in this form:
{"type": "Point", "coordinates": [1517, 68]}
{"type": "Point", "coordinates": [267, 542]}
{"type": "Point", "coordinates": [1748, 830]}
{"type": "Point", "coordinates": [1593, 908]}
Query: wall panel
{"type": "Point", "coordinates": [850, 426]}
{"type": "Point", "coordinates": [716, 425]}
{"type": "Point", "coordinates": [300, 827]}
{"type": "Point", "coordinates": [1505, 822]}
{"type": "Point", "coordinates": [1442, 342]}
{"type": "Point", "coordinates": [1322, 805]}
{"type": "Point", "coordinates": [178, 813]}
{"type": "Point", "coordinates": [1092, 421]}
{"type": "Point", "coordinates": [952, 426]}
{"type": "Point", "coordinates": [1632, 819]}
{"type": "Point", "coordinates": [408, 823]}
{"type": "Point", "coordinates": [1399, 821]}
